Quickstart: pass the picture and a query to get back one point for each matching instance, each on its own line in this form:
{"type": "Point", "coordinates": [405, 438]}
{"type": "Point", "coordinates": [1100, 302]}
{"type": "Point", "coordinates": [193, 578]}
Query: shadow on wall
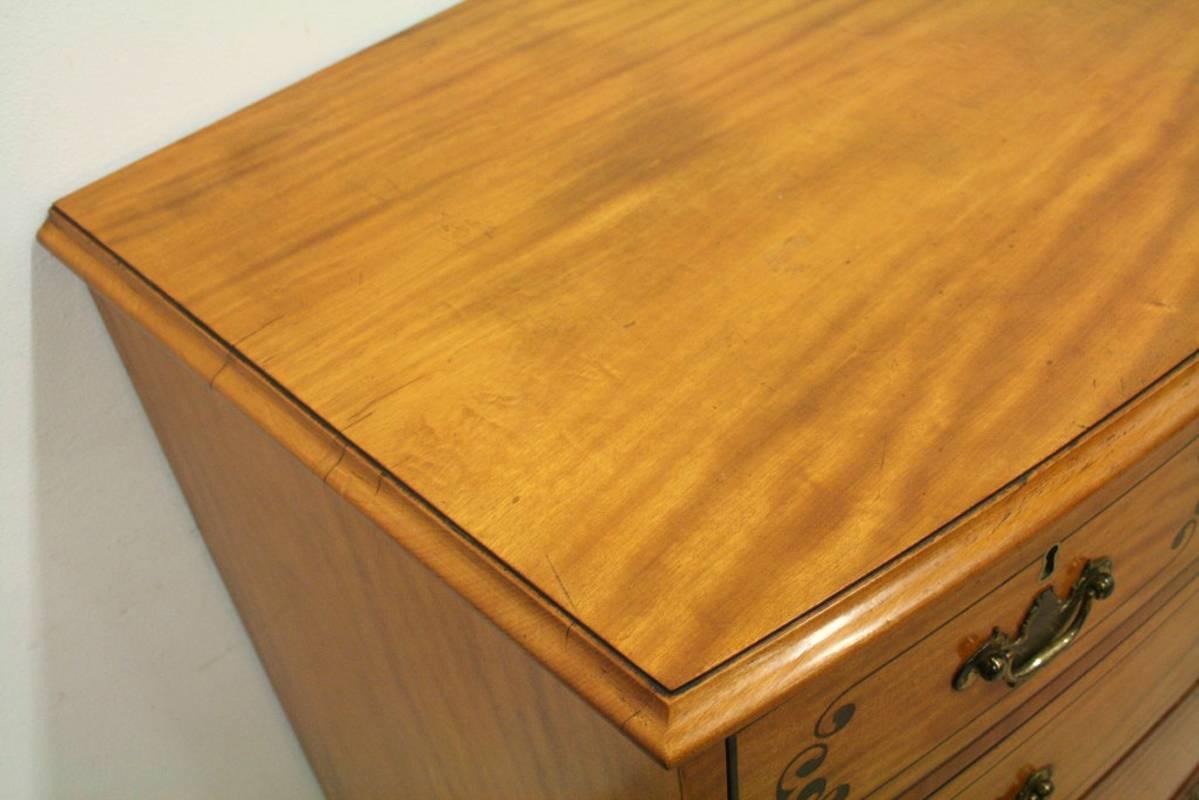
{"type": "Point", "coordinates": [147, 683]}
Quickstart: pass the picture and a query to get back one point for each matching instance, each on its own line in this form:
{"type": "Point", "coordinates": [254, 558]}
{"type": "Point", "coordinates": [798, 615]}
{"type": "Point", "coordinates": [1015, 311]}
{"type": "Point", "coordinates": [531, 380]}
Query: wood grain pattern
{"type": "Point", "coordinates": [877, 618]}
{"type": "Point", "coordinates": [1190, 790]}
{"type": "Point", "coordinates": [704, 777]}
{"type": "Point", "coordinates": [1045, 694]}
{"type": "Point", "coordinates": [902, 716]}
{"type": "Point", "coordinates": [396, 686]}
{"type": "Point", "coordinates": [693, 315]}
{"type": "Point", "coordinates": [552, 637]}
{"type": "Point", "coordinates": [1091, 725]}
{"type": "Point", "coordinates": [1162, 762]}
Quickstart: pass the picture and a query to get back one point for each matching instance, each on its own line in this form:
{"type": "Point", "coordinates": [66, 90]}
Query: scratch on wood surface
{"type": "Point", "coordinates": [360, 416]}
{"type": "Point", "coordinates": [258, 330]}
{"type": "Point", "coordinates": [220, 369]}
{"type": "Point", "coordinates": [1011, 514]}
{"type": "Point", "coordinates": [562, 585]}
{"type": "Point", "coordinates": [340, 456]}
{"type": "Point", "coordinates": [367, 410]}
{"type": "Point", "coordinates": [569, 628]}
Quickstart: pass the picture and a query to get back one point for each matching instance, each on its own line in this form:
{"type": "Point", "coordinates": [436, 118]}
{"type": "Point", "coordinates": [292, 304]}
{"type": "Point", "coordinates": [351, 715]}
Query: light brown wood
{"type": "Point", "coordinates": [1191, 790]}
{"type": "Point", "coordinates": [704, 777]}
{"type": "Point", "coordinates": [396, 686]}
{"type": "Point", "coordinates": [882, 616]}
{"type": "Point", "coordinates": [1091, 724]}
{"type": "Point", "coordinates": [284, 209]}
{"type": "Point", "coordinates": [695, 315]}
{"type": "Point", "coordinates": [1046, 693]}
{"type": "Point", "coordinates": [892, 720]}
{"type": "Point", "coordinates": [216, 223]}
{"type": "Point", "coordinates": [554, 638]}
{"type": "Point", "coordinates": [1162, 762]}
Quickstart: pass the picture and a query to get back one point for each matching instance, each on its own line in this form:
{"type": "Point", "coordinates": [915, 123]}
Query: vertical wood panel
{"type": "Point", "coordinates": [396, 686]}
{"type": "Point", "coordinates": [1162, 761]}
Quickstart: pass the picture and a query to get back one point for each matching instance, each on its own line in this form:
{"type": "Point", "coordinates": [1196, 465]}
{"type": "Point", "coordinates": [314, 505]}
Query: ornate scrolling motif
{"type": "Point", "coordinates": [799, 780]}
{"type": "Point", "coordinates": [1186, 531]}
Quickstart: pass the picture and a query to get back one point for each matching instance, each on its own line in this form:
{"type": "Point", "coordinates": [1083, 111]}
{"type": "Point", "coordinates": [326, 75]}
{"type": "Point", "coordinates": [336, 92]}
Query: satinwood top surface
{"type": "Point", "coordinates": [696, 313]}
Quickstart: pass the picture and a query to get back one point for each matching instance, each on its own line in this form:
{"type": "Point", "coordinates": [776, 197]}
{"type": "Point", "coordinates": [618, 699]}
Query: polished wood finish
{"type": "Point", "coordinates": [872, 746]}
{"type": "Point", "coordinates": [1162, 762]}
{"type": "Point", "coordinates": [631, 577]}
{"type": "Point", "coordinates": [1091, 724]}
{"type": "Point", "coordinates": [882, 616]}
{"type": "Point", "coordinates": [394, 664]}
{"type": "Point", "coordinates": [1030, 705]}
{"type": "Point", "coordinates": [716, 360]}
{"type": "Point", "coordinates": [695, 315]}
{"type": "Point", "coordinates": [704, 777]}
{"type": "Point", "coordinates": [572, 653]}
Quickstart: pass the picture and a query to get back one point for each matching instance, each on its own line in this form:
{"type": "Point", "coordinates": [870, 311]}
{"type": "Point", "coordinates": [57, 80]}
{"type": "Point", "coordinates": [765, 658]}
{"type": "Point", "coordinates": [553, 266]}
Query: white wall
{"type": "Point", "coordinates": [124, 672]}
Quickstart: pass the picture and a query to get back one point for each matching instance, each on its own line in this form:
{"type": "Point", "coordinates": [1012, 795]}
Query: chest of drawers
{"type": "Point", "coordinates": [691, 400]}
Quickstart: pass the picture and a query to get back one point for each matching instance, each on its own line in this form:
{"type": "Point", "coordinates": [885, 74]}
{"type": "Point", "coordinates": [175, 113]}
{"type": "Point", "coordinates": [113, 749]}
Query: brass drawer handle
{"type": "Point", "coordinates": [1050, 626]}
{"type": "Point", "coordinates": [1038, 786]}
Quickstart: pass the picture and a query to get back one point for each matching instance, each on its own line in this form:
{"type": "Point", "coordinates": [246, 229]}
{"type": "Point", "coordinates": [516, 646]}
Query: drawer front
{"type": "Point", "coordinates": [879, 731]}
{"type": "Point", "coordinates": [1162, 763]}
{"type": "Point", "coordinates": [1083, 732]}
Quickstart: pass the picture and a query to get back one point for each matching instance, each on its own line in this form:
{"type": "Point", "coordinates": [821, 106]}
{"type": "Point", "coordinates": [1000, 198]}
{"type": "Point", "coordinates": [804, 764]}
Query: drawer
{"type": "Point", "coordinates": [1084, 730]}
{"type": "Point", "coordinates": [881, 730]}
{"type": "Point", "coordinates": [1162, 763]}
